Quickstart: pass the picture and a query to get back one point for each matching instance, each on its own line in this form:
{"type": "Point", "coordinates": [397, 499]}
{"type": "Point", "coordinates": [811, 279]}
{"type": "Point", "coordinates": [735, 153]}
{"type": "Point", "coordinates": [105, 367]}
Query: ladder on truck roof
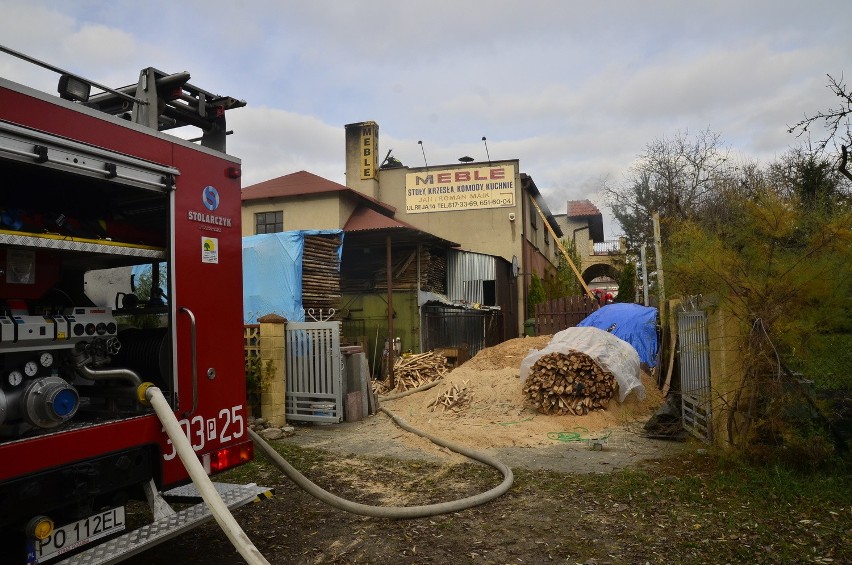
{"type": "Point", "coordinates": [159, 100]}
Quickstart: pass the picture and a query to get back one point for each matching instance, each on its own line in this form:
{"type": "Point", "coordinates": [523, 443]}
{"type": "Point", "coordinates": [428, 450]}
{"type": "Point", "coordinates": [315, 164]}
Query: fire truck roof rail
{"type": "Point", "coordinates": [158, 100]}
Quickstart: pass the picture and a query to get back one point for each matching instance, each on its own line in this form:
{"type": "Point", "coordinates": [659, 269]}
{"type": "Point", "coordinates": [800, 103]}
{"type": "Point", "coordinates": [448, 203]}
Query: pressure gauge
{"type": "Point", "coordinates": [31, 368]}
{"type": "Point", "coordinates": [46, 359]}
{"type": "Point", "coordinates": [15, 377]}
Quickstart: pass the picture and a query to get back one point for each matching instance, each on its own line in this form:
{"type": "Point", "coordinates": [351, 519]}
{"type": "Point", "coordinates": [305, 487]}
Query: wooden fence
{"type": "Point", "coordinates": [251, 340]}
{"type": "Point", "coordinates": [556, 315]}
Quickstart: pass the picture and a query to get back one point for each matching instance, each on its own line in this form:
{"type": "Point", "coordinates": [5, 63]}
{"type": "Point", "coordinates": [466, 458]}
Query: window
{"type": "Point", "coordinates": [533, 217]}
{"type": "Point", "coordinates": [268, 222]}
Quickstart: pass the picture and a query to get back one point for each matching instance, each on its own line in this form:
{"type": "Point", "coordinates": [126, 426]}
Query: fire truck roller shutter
{"type": "Point", "coordinates": [148, 353]}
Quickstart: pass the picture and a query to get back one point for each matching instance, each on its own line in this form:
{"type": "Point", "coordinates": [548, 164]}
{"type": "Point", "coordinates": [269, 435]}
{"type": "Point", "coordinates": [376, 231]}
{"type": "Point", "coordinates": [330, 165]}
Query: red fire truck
{"type": "Point", "coordinates": [120, 266]}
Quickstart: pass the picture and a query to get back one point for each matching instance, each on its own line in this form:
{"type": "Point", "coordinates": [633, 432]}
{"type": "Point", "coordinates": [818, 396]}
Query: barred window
{"type": "Point", "coordinates": [269, 222]}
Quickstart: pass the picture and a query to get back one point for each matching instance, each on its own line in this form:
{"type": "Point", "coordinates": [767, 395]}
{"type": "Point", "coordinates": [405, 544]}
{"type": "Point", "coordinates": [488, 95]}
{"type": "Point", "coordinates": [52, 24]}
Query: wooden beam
{"type": "Point", "coordinates": [562, 249]}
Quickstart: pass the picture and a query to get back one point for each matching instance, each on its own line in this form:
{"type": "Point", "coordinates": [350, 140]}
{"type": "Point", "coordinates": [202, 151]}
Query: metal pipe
{"type": "Point", "coordinates": [389, 340]}
{"type": "Point", "coordinates": [126, 375]}
{"type": "Point", "coordinates": [70, 74]}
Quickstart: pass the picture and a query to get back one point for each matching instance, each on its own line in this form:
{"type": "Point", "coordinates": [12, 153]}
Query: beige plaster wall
{"type": "Point", "coordinates": [323, 211]}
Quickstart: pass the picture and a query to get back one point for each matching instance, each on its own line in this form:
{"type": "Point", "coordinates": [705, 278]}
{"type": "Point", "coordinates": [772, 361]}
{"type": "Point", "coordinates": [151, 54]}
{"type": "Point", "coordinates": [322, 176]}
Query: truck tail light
{"type": "Point", "coordinates": [231, 457]}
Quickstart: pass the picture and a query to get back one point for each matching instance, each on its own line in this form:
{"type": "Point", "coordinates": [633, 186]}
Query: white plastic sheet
{"type": "Point", "coordinates": [611, 353]}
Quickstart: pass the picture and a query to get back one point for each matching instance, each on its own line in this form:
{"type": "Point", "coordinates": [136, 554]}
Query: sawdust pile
{"type": "Point", "coordinates": [496, 414]}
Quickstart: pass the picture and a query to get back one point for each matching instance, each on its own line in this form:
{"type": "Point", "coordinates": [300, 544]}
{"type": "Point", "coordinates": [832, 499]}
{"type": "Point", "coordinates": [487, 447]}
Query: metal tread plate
{"type": "Point", "coordinates": [149, 535]}
{"type": "Point", "coordinates": [57, 242]}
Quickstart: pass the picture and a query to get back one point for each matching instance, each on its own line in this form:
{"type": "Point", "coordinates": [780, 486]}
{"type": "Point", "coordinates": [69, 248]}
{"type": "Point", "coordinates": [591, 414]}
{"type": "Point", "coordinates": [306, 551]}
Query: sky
{"type": "Point", "coordinates": [575, 90]}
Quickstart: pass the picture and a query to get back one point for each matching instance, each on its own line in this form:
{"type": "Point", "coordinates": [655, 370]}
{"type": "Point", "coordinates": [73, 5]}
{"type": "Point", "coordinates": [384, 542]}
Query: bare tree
{"type": "Point", "coordinates": [836, 121]}
{"type": "Point", "coordinates": [674, 176]}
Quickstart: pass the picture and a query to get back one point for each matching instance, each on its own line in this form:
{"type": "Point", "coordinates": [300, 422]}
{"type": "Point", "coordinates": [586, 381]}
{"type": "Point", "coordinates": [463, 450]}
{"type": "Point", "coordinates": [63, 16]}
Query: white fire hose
{"type": "Point", "coordinates": [202, 482]}
{"type": "Point", "coordinates": [235, 533]}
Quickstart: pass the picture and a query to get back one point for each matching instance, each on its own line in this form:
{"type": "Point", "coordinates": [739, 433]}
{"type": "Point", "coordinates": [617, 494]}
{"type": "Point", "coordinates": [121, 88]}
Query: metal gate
{"type": "Point", "coordinates": [314, 376]}
{"type": "Point", "coordinates": [695, 374]}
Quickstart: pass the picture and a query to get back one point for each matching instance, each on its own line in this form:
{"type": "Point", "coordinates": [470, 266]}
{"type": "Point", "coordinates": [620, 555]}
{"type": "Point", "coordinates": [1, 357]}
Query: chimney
{"type": "Point", "coordinates": [362, 158]}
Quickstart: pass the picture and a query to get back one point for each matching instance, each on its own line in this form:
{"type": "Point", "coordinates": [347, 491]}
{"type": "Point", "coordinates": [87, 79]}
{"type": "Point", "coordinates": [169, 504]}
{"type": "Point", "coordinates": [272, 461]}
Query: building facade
{"type": "Point", "coordinates": [601, 260]}
{"type": "Point", "coordinates": [489, 208]}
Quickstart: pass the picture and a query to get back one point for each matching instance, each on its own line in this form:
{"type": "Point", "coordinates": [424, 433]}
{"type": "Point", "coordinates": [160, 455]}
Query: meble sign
{"type": "Point", "coordinates": [460, 189]}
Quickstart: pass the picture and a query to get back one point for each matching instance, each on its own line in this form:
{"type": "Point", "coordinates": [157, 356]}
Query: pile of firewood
{"type": "Point", "coordinates": [413, 371]}
{"type": "Point", "coordinates": [568, 383]}
{"type": "Point", "coordinates": [453, 399]}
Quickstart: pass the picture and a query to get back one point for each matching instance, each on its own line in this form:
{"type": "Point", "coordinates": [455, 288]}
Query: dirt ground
{"type": "Point", "coordinates": [519, 527]}
{"type": "Point", "coordinates": [498, 422]}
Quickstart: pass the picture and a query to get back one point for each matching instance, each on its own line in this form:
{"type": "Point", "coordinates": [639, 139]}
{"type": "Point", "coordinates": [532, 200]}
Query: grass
{"type": "Point", "coordinates": [702, 508]}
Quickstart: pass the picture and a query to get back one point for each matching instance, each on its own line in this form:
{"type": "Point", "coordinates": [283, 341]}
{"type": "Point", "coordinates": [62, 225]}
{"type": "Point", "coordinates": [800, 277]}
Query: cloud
{"type": "Point", "coordinates": [273, 142]}
{"type": "Point", "coordinates": [574, 91]}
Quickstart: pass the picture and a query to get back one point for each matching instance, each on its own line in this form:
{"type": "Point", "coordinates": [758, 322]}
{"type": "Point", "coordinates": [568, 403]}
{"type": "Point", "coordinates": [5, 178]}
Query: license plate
{"type": "Point", "coordinates": [71, 536]}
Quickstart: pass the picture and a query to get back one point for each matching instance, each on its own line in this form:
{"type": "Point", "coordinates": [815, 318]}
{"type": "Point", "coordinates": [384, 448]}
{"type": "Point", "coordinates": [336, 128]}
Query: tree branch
{"type": "Point", "coordinates": [844, 155]}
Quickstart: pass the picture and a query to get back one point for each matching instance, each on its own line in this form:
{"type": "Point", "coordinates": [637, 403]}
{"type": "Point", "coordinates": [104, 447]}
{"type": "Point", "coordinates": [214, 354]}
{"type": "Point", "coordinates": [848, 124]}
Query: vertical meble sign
{"type": "Point", "coordinates": [460, 189]}
{"type": "Point", "coordinates": [369, 156]}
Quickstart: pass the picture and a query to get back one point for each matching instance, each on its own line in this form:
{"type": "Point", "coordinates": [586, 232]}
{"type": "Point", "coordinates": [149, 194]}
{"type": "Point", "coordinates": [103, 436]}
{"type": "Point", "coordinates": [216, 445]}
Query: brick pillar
{"type": "Point", "coordinates": [272, 354]}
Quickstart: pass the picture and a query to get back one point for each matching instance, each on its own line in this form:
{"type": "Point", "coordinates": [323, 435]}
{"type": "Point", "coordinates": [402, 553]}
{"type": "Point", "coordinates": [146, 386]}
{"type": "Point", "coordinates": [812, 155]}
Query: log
{"type": "Point", "coordinates": [413, 371]}
{"type": "Point", "coordinates": [568, 383]}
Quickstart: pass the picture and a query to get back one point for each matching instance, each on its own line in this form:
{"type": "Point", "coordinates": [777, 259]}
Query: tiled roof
{"type": "Point", "coordinates": [582, 208]}
{"type": "Point", "coordinates": [300, 184]}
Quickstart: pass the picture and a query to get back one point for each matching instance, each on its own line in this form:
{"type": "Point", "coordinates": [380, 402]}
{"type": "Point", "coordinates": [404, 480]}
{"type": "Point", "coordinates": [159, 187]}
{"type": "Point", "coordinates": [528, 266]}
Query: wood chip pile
{"type": "Point", "coordinates": [572, 383]}
{"type": "Point", "coordinates": [412, 371]}
{"type": "Point", "coordinates": [453, 399]}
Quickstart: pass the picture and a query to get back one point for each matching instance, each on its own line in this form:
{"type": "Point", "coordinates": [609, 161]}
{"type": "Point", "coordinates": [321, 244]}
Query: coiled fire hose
{"type": "Point", "coordinates": [396, 512]}
{"type": "Point", "coordinates": [223, 516]}
{"type": "Point", "coordinates": [235, 533]}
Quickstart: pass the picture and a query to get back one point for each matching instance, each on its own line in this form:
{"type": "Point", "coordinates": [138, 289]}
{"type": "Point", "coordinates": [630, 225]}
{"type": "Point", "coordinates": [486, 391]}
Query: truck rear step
{"type": "Point", "coordinates": [149, 535]}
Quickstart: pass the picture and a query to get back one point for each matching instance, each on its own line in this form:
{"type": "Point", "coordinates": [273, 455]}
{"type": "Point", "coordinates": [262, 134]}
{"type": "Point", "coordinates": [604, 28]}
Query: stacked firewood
{"type": "Point", "coordinates": [320, 275]}
{"type": "Point", "coordinates": [453, 399]}
{"type": "Point", "coordinates": [568, 383]}
{"type": "Point", "coordinates": [413, 371]}
{"type": "Point", "coordinates": [432, 271]}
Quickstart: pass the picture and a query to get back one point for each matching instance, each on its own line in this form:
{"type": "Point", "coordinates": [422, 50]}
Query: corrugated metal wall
{"type": "Point", "coordinates": [465, 274]}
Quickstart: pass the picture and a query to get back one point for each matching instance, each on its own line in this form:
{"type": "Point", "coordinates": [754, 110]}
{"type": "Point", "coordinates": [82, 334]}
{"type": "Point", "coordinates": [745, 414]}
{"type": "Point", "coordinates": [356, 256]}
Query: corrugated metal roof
{"type": "Point", "coordinates": [365, 220]}
{"type": "Point", "coordinates": [300, 184]}
{"type": "Point", "coordinates": [582, 208]}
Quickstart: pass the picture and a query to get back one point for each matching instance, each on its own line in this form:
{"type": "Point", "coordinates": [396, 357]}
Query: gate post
{"type": "Point", "coordinates": [272, 362]}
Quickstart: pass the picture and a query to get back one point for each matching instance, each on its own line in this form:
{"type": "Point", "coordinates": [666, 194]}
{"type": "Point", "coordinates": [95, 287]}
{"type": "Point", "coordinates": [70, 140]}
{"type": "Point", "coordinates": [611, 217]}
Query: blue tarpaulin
{"type": "Point", "coordinates": [635, 324]}
{"type": "Point", "coordinates": [272, 273]}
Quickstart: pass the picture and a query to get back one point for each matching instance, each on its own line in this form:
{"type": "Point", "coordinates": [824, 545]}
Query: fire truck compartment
{"type": "Point", "coordinates": [78, 333]}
